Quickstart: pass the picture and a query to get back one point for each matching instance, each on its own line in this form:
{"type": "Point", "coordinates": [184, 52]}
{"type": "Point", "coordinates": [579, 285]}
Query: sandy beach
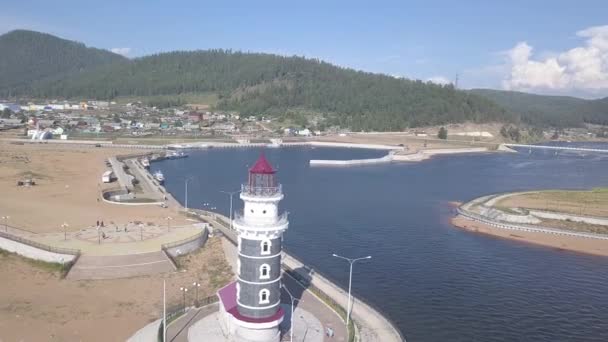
{"type": "Point", "coordinates": [96, 310]}
{"type": "Point", "coordinates": [68, 187]}
{"type": "Point", "coordinates": [571, 243]}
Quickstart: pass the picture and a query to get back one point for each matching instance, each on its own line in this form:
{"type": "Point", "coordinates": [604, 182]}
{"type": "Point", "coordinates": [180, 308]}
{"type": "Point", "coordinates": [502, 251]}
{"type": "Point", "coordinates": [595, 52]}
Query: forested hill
{"type": "Point", "coordinates": [544, 110]}
{"type": "Point", "coordinates": [27, 57]}
{"type": "Point", "coordinates": [251, 83]}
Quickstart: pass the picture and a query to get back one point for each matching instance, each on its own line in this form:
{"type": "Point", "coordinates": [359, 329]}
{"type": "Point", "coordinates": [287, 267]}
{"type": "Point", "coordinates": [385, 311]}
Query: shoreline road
{"type": "Point", "coordinates": [150, 190]}
{"type": "Point", "coordinates": [124, 179]}
{"type": "Point", "coordinates": [372, 324]}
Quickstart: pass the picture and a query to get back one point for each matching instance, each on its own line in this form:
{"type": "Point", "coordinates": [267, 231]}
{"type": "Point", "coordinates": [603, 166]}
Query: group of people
{"type": "Point", "coordinates": [100, 224]}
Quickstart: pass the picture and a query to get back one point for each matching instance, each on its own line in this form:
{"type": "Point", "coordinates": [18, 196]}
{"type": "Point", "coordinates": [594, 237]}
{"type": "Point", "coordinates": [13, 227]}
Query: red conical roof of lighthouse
{"type": "Point", "coordinates": [262, 166]}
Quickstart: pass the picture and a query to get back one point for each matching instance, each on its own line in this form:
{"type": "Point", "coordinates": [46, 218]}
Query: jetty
{"type": "Point", "coordinates": [564, 148]}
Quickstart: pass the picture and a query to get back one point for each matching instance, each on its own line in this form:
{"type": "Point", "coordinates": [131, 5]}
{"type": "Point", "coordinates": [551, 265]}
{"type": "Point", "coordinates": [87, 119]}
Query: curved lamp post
{"type": "Point", "coordinates": [350, 281]}
{"type": "Point", "coordinates": [293, 300]}
{"type": "Point", "coordinates": [231, 193]}
{"type": "Point", "coordinates": [65, 226]}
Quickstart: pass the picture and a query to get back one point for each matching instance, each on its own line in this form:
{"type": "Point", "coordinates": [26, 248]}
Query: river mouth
{"type": "Point", "coordinates": [434, 281]}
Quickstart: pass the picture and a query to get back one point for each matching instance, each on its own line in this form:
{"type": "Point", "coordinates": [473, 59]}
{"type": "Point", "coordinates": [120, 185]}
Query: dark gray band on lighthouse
{"type": "Point", "coordinates": [251, 281]}
{"type": "Point", "coordinates": [253, 247]}
{"type": "Point", "coordinates": [248, 303]}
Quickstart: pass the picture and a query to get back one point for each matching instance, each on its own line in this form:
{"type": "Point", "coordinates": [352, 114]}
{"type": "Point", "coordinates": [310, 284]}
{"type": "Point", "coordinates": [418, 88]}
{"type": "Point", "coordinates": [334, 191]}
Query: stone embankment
{"type": "Point", "coordinates": [396, 157]}
{"type": "Point", "coordinates": [479, 210]}
{"type": "Point", "coordinates": [426, 154]}
{"type": "Point", "coordinates": [36, 251]}
{"type": "Point", "coordinates": [321, 162]}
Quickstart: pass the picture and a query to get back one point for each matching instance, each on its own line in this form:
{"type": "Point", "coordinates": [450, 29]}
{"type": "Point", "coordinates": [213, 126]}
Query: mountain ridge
{"type": "Point", "coordinates": [44, 66]}
{"type": "Point", "coordinates": [30, 56]}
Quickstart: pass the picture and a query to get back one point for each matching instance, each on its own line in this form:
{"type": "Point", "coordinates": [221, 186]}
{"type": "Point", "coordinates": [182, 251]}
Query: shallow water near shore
{"type": "Point", "coordinates": [437, 283]}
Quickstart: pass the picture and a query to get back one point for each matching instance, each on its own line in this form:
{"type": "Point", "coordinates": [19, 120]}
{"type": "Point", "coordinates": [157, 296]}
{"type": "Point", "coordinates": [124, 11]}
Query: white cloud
{"type": "Point", "coordinates": [439, 80]}
{"type": "Point", "coordinates": [121, 51]}
{"type": "Point", "coordinates": [580, 69]}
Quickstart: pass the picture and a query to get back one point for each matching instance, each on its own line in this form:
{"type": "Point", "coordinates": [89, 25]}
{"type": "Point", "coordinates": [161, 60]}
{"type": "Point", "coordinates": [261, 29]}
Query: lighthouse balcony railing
{"type": "Point", "coordinates": [262, 222]}
{"type": "Point", "coordinates": [261, 191]}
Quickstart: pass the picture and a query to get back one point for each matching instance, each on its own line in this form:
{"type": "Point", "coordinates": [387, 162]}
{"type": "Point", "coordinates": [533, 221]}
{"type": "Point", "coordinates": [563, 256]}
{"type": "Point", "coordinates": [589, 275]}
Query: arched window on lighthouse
{"type": "Point", "coordinates": [264, 296]}
{"type": "Point", "coordinates": [265, 271]}
{"type": "Point", "coordinates": [265, 246]}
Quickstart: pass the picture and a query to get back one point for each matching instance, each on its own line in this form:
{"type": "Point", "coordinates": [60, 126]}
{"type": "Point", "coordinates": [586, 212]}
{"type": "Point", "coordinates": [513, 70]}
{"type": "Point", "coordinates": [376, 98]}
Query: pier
{"type": "Point", "coordinates": [564, 148]}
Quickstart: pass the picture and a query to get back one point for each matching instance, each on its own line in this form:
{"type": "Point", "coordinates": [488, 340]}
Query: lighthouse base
{"type": "Point", "coordinates": [239, 328]}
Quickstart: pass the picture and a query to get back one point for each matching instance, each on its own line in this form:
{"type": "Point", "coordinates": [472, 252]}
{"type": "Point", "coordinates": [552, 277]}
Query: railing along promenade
{"type": "Point", "coordinates": [581, 149]}
{"type": "Point", "coordinates": [526, 228]}
{"type": "Point", "coordinates": [363, 312]}
{"type": "Point", "coordinates": [44, 247]}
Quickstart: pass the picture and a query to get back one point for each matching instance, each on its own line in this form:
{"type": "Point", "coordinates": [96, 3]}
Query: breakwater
{"type": "Point", "coordinates": [393, 156]}
{"type": "Point", "coordinates": [325, 162]}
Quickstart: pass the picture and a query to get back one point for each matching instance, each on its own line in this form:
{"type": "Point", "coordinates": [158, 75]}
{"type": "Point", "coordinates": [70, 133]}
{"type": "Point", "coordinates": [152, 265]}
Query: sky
{"type": "Point", "coordinates": [549, 47]}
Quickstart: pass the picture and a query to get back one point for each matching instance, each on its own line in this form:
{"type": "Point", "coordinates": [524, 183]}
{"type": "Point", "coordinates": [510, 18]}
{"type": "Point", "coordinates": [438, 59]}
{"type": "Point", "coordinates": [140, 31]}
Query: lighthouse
{"type": "Point", "coordinates": [252, 303]}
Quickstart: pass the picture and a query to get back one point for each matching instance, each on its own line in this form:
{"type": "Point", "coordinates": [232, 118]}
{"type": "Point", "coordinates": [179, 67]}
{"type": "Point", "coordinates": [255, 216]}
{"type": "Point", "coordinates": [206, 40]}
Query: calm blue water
{"type": "Point", "coordinates": [436, 282]}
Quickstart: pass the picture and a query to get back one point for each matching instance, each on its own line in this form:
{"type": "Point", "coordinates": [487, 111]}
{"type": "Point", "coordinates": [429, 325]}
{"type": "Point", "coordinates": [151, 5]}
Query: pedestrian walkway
{"type": "Point", "coordinates": [178, 330]}
{"type": "Point", "coordinates": [120, 266]}
{"type": "Point", "coordinates": [131, 238]}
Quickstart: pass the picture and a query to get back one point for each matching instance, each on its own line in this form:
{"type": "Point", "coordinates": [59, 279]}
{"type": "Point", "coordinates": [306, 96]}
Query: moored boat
{"type": "Point", "coordinates": [158, 175]}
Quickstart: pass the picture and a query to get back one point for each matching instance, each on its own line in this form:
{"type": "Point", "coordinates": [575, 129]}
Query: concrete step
{"type": "Point", "coordinates": [120, 266]}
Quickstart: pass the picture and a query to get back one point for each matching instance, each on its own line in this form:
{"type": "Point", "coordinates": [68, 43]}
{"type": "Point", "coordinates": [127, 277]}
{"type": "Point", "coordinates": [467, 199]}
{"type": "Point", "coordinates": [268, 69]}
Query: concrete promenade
{"type": "Point", "coordinates": [564, 148]}
{"type": "Point", "coordinates": [373, 326]}
{"type": "Point", "coordinates": [465, 211]}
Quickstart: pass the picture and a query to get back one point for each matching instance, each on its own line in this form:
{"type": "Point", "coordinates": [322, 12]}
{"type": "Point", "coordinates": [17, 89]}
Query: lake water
{"type": "Point", "coordinates": [436, 282]}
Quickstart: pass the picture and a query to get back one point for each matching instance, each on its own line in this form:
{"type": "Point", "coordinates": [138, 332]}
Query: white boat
{"type": "Point", "coordinates": [145, 162]}
{"type": "Point", "coordinates": [159, 177]}
{"type": "Point", "coordinates": [175, 155]}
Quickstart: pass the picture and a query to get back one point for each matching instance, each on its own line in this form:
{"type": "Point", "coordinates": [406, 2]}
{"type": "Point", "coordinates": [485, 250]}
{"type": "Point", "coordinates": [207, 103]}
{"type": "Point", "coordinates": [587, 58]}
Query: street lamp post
{"type": "Point", "coordinates": [5, 218]}
{"type": "Point", "coordinates": [293, 300]}
{"type": "Point", "coordinates": [196, 286]}
{"type": "Point", "coordinates": [169, 218]}
{"type": "Point", "coordinates": [65, 230]}
{"type": "Point", "coordinates": [186, 194]}
{"type": "Point", "coordinates": [231, 193]}
{"type": "Point", "coordinates": [184, 290]}
{"type": "Point", "coordinates": [350, 281]}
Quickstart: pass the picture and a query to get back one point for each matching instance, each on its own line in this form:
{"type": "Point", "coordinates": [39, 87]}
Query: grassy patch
{"type": "Point", "coordinates": [591, 202]}
{"type": "Point", "coordinates": [51, 267]}
{"type": "Point", "coordinates": [575, 226]}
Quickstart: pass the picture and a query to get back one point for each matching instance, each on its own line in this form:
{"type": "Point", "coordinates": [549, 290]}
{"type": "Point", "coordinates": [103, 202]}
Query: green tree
{"type": "Point", "coordinates": [443, 133]}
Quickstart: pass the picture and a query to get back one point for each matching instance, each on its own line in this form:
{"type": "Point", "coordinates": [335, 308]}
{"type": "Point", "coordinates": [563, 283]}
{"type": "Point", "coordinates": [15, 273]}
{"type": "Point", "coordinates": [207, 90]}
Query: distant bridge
{"type": "Point", "coordinates": [581, 149]}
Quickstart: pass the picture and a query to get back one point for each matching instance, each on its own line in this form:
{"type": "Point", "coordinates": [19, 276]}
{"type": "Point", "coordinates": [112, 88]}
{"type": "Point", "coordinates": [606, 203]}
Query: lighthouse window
{"type": "Point", "coordinates": [265, 247]}
{"type": "Point", "coordinates": [252, 211]}
{"type": "Point", "coordinates": [264, 271]}
{"type": "Point", "coordinates": [263, 211]}
{"type": "Point", "coordinates": [264, 296]}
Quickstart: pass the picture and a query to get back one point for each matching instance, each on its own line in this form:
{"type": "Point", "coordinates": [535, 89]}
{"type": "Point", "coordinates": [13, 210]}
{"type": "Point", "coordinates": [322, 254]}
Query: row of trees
{"type": "Point", "coordinates": [30, 57]}
{"type": "Point", "coordinates": [263, 84]}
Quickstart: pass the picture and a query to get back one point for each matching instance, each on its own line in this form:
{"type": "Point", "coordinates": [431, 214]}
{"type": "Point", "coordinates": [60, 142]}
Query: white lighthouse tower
{"type": "Point", "coordinates": [252, 304]}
